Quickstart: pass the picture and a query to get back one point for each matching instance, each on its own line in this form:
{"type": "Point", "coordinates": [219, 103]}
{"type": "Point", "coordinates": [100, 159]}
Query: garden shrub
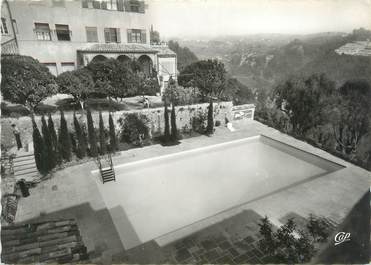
{"type": "Point", "coordinates": [319, 228]}
{"type": "Point", "coordinates": [134, 128]}
{"type": "Point", "coordinates": [199, 122]}
{"type": "Point", "coordinates": [13, 111]}
{"type": "Point", "coordinates": [148, 86]}
{"type": "Point", "coordinates": [217, 123]}
{"type": "Point", "coordinates": [105, 104]}
{"type": "Point", "coordinates": [290, 245]}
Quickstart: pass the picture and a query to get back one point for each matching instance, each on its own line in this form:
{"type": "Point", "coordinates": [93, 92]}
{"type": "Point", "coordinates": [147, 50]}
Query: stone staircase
{"type": "Point", "coordinates": [25, 167]}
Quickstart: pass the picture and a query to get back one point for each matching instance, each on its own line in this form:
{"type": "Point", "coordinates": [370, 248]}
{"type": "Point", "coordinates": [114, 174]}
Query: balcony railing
{"type": "Point", "coordinates": [9, 47]}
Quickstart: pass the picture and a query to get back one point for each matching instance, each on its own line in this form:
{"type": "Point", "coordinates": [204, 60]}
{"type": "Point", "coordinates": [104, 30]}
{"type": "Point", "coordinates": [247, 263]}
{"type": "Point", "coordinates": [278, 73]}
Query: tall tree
{"type": "Point", "coordinates": [304, 99]}
{"type": "Point", "coordinates": [64, 139]}
{"type": "Point", "coordinates": [25, 81]}
{"type": "Point", "coordinates": [81, 142]}
{"type": "Point", "coordinates": [39, 149]}
{"type": "Point", "coordinates": [91, 134]}
{"type": "Point", "coordinates": [54, 140]}
{"type": "Point", "coordinates": [209, 76]}
{"type": "Point", "coordinates": [167, 125]}
{"type": "Point", "coordinates": [350, 116]}
{"type": "Point", "coordinates": [174, 130]}
{"type": "Point", "coordinates": [114, 78]}
{"type": "Point", "coordinates": [210, 119]}
{"type": "Point", "coordinates": [78, 83]}
{"type": "Point", "coordinates": [171, 94]}
{"type": "Point", "coordinates": [112, 134]}
{"type": "Point", "coordinates": [102, 135]}
{"type": "Point", "coordinates": [50, 154]}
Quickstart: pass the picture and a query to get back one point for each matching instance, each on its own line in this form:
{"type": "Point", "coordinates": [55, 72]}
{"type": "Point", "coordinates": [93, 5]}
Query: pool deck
{"type": "Point", "coordinates": [73, 192]}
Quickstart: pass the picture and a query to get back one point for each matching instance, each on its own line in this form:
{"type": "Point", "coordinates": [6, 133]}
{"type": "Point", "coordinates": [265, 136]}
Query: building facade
{"type": "Point", "coordinates": [67, 34]}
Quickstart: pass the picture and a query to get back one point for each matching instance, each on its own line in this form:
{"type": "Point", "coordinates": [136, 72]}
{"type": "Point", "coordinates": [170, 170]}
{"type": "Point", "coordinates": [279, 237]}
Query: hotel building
{"type": "Point", "coordinates": [67, 34]}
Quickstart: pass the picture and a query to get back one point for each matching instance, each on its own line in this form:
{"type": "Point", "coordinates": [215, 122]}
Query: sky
{"type": "Point", "coordinates": [209, 18]}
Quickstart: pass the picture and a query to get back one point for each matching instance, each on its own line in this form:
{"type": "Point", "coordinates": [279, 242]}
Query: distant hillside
{"type": "Point", "coordinates": [184, 55]}
{"type": "Point", "coordinates": [340, 68]}
{"type": "Point", "coordinates": [261, 61]}
{"type": "Point", "coordinates": [316, 54]}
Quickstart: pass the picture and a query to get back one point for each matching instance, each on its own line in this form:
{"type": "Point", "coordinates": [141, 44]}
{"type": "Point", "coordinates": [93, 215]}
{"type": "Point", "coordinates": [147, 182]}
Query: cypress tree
{"type": "Point", "coordinates": [84, 138]}
{"type": "Point", "coordinates": [112, 134]}
{"type": "Point", "coordinates": [73, 143]}
{"type": "Point", "coordinates": [102, 135]}
{"type": "Point", "coordinates": [39, 149]}
{"type": "Point", "coordinates": [210, 119]}
{"type": "Point", "coordinates": [167, 125]}
{"type": "Point", "coordinates": [64, 139]}
{"type": "Point", "coordinates": [174, 130]}
{"type": "Point", "coordinates": [54, 140]}
{"type": "Point", "coordinates": [50, 154]}
{"type": "Point", "coordinates": [81, 142]}
{"type": "Point", "coordinates": [91, 135]}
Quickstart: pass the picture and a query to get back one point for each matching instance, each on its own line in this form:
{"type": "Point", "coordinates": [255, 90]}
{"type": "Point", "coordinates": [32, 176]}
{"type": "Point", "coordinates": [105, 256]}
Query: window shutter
{"type": "Point", "coordinates": [118, 35]}
{"type": "Point", "coordinates": [143, 36]}
{"type": "Point", "coordinates": [107, 35]}
{"type": "Point", "coordinates": [141, 7]}
{"type": "Point", "coordinates": [120, 5]}
{"type": "Point", "coordinates": [129, 36]}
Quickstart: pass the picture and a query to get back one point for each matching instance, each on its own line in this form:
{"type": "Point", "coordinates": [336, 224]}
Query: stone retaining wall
{"type": "Point", "coordinates": [184, 116]}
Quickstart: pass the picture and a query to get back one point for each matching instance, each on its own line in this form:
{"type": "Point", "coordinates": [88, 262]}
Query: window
{"type": "Point", "coordinates": [42, 31]}
{"type": "Point", "coordinates": [112, 35]}
{"type": "Point", "coordinates": [70, 66]}
{"type": "Point", "coordinates": [96, 4]}
{"type": "Point", "coordinates": [63, 32]}
{"type": "Point", "coordinates": [111, 4]}
{"type": "Point", "coordinates": [104, 4]}
{"type": "Point", "coordinates": [136, 36]}
{"type": "Point", "coordinates": [4, 28]}
{"type": "Point", "coordinates": [91, 34]}
{"type": "Point", "coordinates": [134, 6]}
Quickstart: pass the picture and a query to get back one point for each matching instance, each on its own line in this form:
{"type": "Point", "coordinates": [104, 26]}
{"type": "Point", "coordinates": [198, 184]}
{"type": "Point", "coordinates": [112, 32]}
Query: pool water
{"type": "Point", "coordinates": [155, 197]}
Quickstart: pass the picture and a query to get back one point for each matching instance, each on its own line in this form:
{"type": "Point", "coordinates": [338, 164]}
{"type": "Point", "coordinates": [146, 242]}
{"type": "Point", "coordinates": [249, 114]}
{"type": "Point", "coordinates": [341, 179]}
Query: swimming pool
{"type": "Point", "coordinates": [154, 197]}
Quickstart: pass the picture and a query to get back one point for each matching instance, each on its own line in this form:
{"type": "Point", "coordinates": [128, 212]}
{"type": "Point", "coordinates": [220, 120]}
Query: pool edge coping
{"type": "Point", "coordinates": [155, 158]}
{"type": "Point", "coordinates": [250, 138]}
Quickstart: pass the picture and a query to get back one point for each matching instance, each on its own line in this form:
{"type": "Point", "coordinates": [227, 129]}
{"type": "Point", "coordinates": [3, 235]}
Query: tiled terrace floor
{"type": "Point", "coordinates": [73, 193]}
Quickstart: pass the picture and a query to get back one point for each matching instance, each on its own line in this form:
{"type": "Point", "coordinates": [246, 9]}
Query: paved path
{"type": "Point", "coordinates": [73, 192]}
